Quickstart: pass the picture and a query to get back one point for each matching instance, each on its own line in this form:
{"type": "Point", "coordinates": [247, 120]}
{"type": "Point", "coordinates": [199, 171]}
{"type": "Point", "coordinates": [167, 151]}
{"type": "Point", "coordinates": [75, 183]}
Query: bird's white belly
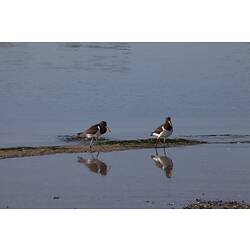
{"type": "Point", "coordinates": [164, 133]}
{"type": "Point", "coordinates": [89, 136]}
{"type": "Point", "coordinates": [96, 135]}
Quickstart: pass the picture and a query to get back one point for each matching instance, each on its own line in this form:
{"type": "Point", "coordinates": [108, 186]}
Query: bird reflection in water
{"type": "Point", "coordinates": [164, 162]}
{"type": "Point", "coordinates": [95, 165]}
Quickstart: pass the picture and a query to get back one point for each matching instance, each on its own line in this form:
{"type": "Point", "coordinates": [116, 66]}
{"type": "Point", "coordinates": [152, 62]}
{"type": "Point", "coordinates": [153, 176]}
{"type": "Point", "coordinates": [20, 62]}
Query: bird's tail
{"type": "Point", "coordinates": [81, 134]}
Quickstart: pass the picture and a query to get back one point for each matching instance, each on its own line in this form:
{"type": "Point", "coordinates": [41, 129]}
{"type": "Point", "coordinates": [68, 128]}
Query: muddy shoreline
{"type": "Point", "coordinates": [103, 146]}
{"type": "Point", "coordinates": [202, 204]}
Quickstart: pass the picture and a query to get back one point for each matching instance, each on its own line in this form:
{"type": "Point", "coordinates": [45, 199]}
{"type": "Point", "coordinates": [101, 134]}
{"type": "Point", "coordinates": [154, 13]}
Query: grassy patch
{"type": "Point", "coordinates": [104, 141]}
{"type": "Point", "coordinates": [150, 141]}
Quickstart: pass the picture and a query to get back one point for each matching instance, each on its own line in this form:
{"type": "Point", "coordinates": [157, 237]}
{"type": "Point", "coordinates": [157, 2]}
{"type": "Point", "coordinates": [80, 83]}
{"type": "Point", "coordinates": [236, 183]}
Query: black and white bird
{"type": "Point", "coordinates": [94, 132]}
{"type": "Point", "coordinates": [163, 131]}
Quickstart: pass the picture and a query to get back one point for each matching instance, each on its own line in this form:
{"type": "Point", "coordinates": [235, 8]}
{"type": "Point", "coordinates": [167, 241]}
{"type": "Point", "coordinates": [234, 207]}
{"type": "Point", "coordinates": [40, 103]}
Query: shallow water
{"type": "Point", "coordinates": [50, 89]}
{"type": "Point", "coordinates": [127, 179]}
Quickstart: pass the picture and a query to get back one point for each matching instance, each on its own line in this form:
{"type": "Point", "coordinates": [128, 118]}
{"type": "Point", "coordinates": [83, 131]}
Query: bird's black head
{"type": "Point", "coordinates": [168, 119]}
{"type": "Point", "coordinates": [103, 124]}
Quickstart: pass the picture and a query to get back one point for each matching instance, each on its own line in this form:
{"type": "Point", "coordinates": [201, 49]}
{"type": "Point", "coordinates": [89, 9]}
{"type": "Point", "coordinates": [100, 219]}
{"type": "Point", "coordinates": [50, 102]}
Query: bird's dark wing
{"type": "Point", "coordinates": [159, 129]}
{"type": "Point", "coordinates": [91, 130]}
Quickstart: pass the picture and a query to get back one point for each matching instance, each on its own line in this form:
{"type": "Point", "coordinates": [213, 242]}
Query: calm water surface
{"type": "Point", "coordinates": [127, 179]}
{"type": "Point", "coordinates": [50, 89]}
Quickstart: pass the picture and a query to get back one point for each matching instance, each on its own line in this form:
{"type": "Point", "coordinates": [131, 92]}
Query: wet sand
{"type": "Point", "coordinates": [103, 146]}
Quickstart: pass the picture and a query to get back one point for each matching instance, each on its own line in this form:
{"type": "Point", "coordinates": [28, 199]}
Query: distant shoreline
{"type": "Point", "coordinates": [102, 146]}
